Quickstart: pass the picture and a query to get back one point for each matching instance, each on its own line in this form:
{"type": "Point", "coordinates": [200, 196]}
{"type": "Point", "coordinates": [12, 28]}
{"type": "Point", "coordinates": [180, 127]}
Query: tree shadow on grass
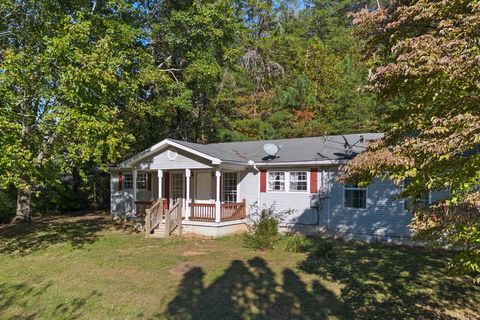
{"type": "Point", "coordinates": [14, 298]}
{"type": "Point", "coordinates": [385, 282]}
{"type": "Point", "coordinates": [23, 239]}
{"type": "Point", "coordinates": [250, 291]}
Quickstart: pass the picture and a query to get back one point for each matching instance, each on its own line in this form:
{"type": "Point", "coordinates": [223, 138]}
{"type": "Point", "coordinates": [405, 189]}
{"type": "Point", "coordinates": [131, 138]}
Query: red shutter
{"type": "Point", "coordinates": [263, 181]}
{"type": "Point", "coordinates": [120, 181]}
{"type": "Point", "coordinates": [313, 180]}
{"type": "Point", "coordinates": [149, 181]}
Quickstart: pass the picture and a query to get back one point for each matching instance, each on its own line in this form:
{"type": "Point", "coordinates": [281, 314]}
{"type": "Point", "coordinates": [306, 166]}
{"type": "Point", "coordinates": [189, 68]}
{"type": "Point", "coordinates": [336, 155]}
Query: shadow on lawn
{"type": "Point", "coordinates": [19, 296]}
{"type": "Point", "coordinates": [376, 281]}
{"type": "Point", "coordinates": [27, 238]}
{"type": "Point", "coordinates": [385, 282]}
{"type": "Point", "coordinates": [249, 290]}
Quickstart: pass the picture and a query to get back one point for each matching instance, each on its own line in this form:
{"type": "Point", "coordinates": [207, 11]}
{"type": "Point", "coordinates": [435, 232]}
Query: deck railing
{"type": "Point", "coordinates": [173, 219]}
{"type": "Point", "coordinates": [142, 206]}
{"type": "Point", "coordinates": [233, 211]}
{"type": "Point", "coordinates": [202, 212]}
{"type": "Point", "coordinates": [154, 216]}
{"type": "Point", "coordinates": [228, 211]}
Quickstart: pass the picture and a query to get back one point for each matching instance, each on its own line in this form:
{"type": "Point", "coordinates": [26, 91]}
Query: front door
{"type": "Point", "coordinates": [203, 187]}
{"type": "Point", "coordinates": [176, 187]}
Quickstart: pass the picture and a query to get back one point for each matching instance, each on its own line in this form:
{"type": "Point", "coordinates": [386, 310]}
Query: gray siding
{"type": "Point", "coordinates": [182, 161]}
{"type": "Point", "coordinates": [384, 215]}
{"type": "Point", "coordinates": [122, 203]}
{"type": "Point", "coordinates": [249, 187]}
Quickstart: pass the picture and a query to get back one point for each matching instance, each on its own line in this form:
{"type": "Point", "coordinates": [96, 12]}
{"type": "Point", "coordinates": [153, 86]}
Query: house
{"type": "Point", "coordinates": [210, 189]}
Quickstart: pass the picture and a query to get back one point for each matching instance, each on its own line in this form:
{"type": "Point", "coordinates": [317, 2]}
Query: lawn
{"type": "Point", "coordinates": [88, 267]}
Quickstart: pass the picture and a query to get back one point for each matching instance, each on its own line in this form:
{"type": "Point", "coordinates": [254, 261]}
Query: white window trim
{"type": "Point", "coordinates": [285, 176]}
{"type": "Point", "coordinates": [308, 181]}
{"type": "Point", "coordinates": [124, 180]}
{"type": "Point", "coordinates": [146, 181]}
{"type": "Point", "coordinates": [287, 181]}
{"type": "Point", "coordinates": [223, 185]}
{"type": "Point", "coordinates": [353, 208]}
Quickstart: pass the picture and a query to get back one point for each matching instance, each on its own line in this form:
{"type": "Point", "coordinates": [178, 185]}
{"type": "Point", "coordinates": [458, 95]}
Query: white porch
{"type": "Point", "coordinates": [207, 195]}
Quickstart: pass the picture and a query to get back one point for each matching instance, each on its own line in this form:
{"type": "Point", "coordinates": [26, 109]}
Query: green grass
{"type": "Point", "coordinates": [87, 267]}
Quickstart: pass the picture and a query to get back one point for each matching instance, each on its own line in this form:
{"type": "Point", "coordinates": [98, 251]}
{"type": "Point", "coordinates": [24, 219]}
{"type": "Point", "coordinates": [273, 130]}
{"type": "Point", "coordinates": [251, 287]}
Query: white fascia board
{"type": "Point", "coordinates": [147, 152]}
{"type": "Point", "coordinates": [301, 163]}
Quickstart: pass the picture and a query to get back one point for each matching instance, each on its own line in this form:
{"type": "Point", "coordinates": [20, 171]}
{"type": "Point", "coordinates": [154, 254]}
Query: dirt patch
{"type": "Point", "coordinates": [193, 253]}
{"type": "Point", "coordinates": [181, 269]}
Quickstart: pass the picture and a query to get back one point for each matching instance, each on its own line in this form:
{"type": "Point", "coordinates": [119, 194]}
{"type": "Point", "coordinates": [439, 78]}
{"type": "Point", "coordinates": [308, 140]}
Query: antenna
{"type": "Point", "coordinates": [271, 149]}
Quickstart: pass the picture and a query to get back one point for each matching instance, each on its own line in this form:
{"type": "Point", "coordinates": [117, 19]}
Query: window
{"type": "Point", "coordinates": [422, 200]}
{"type": "Point", "coordinates": [128, 181]}
{"type": "Point", "coordinates": [177, 186]}
{"type": "Point", "coordinates": [230, 187]}
{"type": "Point", "coordinates": [276, 181]}
{"type": "Point", "coordinates": [142, 181]}
{"type": "Point", "coordinates": [355, 197]}
{"type": "Point", "coordinates": [298, 181]}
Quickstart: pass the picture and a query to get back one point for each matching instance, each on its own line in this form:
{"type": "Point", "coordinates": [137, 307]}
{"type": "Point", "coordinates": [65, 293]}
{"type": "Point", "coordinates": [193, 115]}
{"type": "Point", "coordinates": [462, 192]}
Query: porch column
{"type": "Point", "coordinates": [187, 194]}
{"type": "Point", "coordinates": [160, 183]}
{"type": "Point", "coordinates": [218, 204]}
{"type": "Point", "coordinates": [134, 176]}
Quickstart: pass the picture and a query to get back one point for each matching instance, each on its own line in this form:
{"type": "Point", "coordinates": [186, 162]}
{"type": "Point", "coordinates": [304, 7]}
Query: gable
{"type": "Point", "coordinates": [172, 158]}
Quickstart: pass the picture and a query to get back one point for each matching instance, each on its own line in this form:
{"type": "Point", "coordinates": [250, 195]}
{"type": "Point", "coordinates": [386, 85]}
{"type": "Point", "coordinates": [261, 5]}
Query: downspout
{"type": "Point", "coordinates": [254, 165]}
{"type": "Point", "coordinates": [329, 191]}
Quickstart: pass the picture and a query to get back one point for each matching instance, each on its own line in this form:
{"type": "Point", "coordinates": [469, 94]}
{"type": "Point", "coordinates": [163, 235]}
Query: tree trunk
{"type": "Point", "coordinates": [24, 197]}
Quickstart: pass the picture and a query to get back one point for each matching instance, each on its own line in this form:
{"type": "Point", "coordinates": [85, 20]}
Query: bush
{"type": "Point", "coordinates": [322, 249]}
{"type": "Point", "coordinates": [297, 243]}
{"type": "Point", "coordinates": [8, 203]}
{"type": "Point", "coordinates": [263, 227]}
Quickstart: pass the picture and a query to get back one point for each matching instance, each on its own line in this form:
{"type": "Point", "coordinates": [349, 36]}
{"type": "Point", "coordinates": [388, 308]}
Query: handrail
{"type": "Point", "coordinates": [173, 219]}
{"type": "Point", "coordinates": [154, 216]}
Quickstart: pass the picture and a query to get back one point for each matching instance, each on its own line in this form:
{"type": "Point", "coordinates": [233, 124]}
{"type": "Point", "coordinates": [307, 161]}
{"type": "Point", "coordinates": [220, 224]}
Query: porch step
{"type": "Point", "coordinates": [159, 232]}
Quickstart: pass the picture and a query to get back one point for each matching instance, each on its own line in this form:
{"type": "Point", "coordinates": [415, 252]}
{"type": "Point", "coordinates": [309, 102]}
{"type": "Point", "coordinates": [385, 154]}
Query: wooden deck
{"type": "Point", "coordinates": [228, 211]}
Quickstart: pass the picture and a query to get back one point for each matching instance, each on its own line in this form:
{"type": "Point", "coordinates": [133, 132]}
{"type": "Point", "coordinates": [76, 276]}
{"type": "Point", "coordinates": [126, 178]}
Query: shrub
{"type": "Point", "coordinates": [322, 249]}
{"type": "Point", "coordinates": [263, 227]}
{"type": "Point", "coordinates": [297, 243]}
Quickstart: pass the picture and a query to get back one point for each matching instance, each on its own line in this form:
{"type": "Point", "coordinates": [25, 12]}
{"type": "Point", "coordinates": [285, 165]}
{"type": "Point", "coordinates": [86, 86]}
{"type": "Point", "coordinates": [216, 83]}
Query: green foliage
{"type": "Point", "coordinates": [322, 248]}
{"type": "Point", "coordinates": [263, 227]}
{"type": "Point", "coordinates": [425, 70]}
{"type": "Point", "coordinates": [69, 75]}
{"type": "Point", "coordinates": [7, 205]}
{"type": "Point", "coordinates": [297, 243]}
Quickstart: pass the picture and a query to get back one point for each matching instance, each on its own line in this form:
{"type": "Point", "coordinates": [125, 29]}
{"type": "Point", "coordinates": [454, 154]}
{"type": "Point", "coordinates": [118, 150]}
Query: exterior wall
{"type": "Point", "coordinates": [122, 201]}
{"type": "Point", "coordinates": [249, 187]}
{"type": "Point", "coordinates": [384, 217]}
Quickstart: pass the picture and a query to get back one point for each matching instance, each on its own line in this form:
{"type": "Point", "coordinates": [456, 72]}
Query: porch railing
{"type": "Point", "coordinates": [154, 216]}
{"type": "Point", "coordinates": [173, 219]}
{"type": "Point", "coordinates": [202, 212]}
{"type": "Point", "coordinates": [228, 211]}
{"type": "Point", "coordinates": [233, 211]}
{"type": "Point", "coordinates": [142, 206]}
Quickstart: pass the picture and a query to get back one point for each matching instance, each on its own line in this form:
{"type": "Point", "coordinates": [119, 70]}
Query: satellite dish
{"type": "Point", "coordinates": [271, 149]}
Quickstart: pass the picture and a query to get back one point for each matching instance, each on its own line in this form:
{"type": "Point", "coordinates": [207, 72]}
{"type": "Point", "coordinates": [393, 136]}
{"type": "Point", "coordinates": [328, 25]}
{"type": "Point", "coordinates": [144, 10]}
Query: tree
{"type": "Point", "coordinates": [426, 63]}
{"type": "Point", "coordinates": [298, 74]}
{"type": "Point", "coordinates": [68, 75]}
